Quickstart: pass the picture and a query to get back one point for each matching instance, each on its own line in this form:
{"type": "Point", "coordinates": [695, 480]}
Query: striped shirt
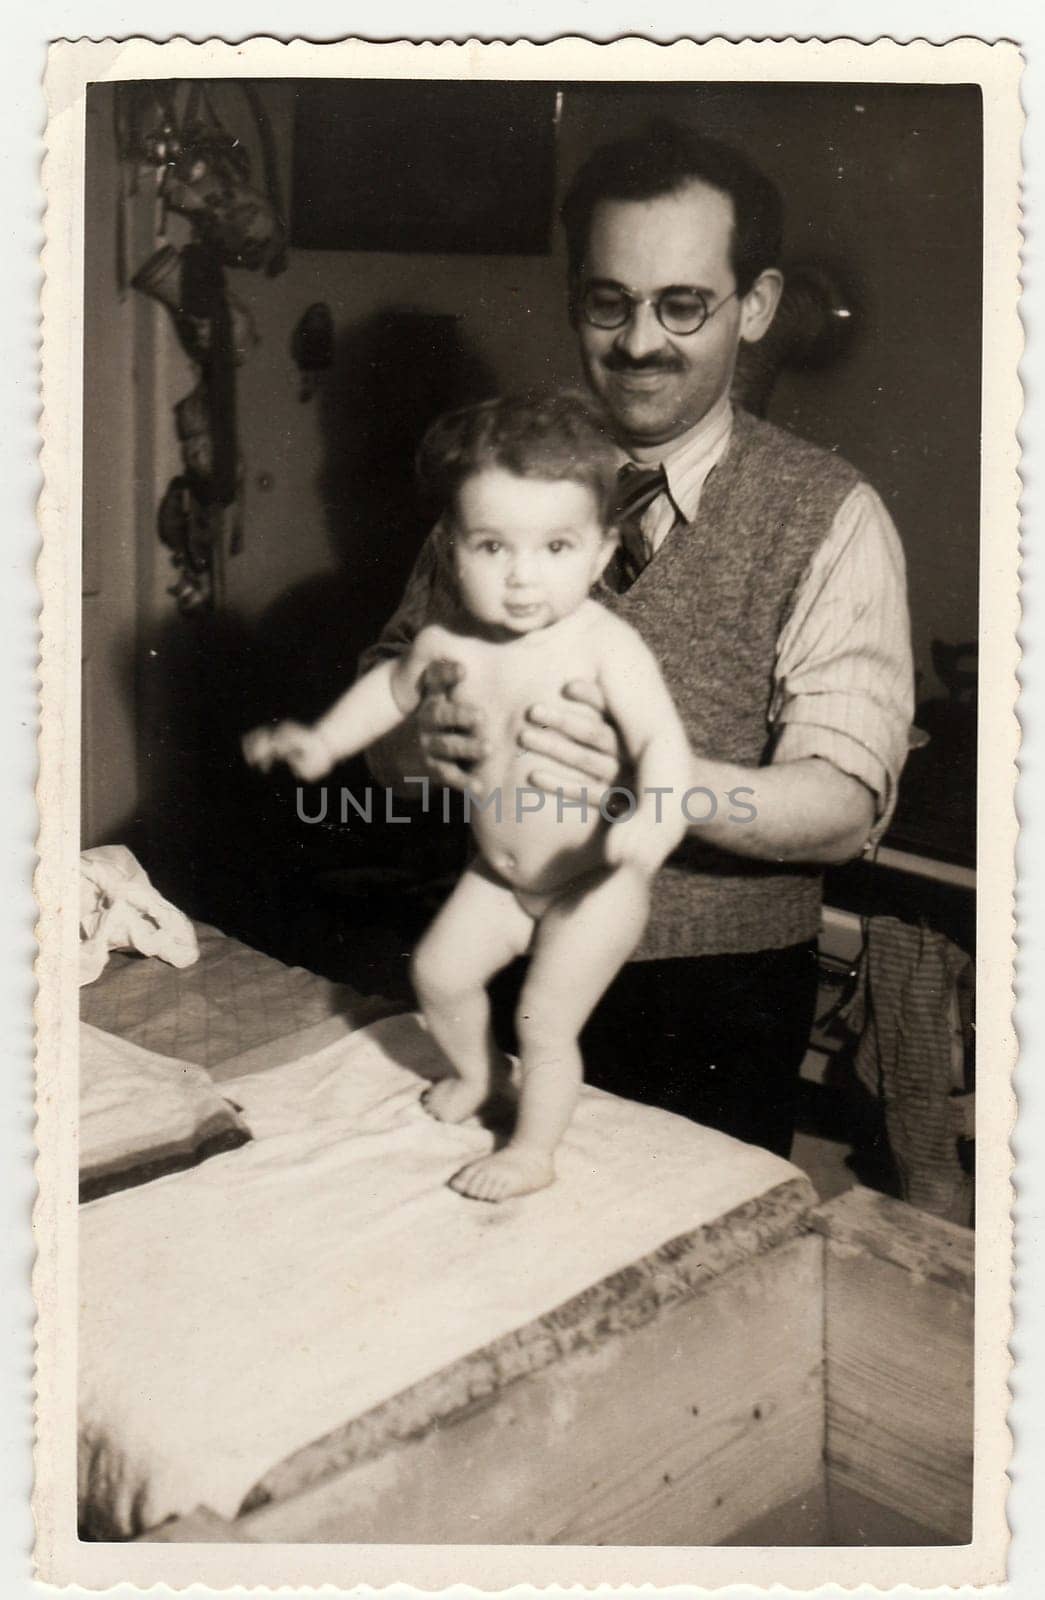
{"type": "Point", "coordinates": [843, 677]}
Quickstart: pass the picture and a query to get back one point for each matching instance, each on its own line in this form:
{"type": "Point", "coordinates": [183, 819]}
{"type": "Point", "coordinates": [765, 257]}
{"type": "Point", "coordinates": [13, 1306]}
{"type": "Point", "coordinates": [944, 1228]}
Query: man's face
{"type": "Point", "coordinates": [657, 385]}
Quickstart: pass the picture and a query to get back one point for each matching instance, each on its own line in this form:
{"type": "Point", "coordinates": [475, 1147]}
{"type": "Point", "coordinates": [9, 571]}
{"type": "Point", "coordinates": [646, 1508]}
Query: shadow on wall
{"type": "Point", "coordinates": [227, 846]}
{"type": "Point", "coordinates": [392, 376]}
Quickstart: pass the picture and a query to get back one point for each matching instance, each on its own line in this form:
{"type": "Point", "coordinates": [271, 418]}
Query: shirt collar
{"type": "Point", "coordinates": [688, 460]}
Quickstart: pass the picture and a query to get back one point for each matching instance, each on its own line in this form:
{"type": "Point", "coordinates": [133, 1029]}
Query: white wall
{"type": "Point", "coordinates": [110, 507]}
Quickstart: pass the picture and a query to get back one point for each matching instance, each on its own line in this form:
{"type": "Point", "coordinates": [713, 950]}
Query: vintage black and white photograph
{"type": "Point", "coordinates": [531, 561]}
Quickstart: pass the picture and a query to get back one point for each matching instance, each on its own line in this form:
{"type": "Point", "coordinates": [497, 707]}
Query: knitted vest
{"type": "Point", "coordinates": [711, 605]}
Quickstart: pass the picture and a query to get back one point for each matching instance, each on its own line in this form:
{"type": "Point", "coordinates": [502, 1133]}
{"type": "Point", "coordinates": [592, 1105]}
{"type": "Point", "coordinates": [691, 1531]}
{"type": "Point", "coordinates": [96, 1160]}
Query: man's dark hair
{"type": "Point", "coordinates": [661, 160]}
{"type": "Point", "coordinates": [557, 435]}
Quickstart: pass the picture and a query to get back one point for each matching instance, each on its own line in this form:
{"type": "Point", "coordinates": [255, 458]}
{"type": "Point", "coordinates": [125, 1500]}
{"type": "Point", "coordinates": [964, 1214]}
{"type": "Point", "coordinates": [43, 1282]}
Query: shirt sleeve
{"type": "Point", "coordinates": [429, 596]}
{"type": "Point", "coordinates": [844, 680]}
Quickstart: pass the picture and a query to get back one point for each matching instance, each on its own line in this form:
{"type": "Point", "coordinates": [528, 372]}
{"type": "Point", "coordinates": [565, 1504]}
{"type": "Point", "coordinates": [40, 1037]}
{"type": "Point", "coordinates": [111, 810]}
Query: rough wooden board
{"type": "Point", "coordinates": [679, 1434]}
{"type": "Point", "coordinates": [889, 1229]}
{"type": "Point", "coordinates": [855, 1520]}
{"type": "Point", "coordinates": [805, 1519]}
{"type": "Point", "coordinates": [827, 1513]}
{"type": "Point", "coordinates": [610, 1310]}
{"type": "Point", "coordinates": [570, 1382]}
{"type": "Point", "coordinates": [899, 1359]}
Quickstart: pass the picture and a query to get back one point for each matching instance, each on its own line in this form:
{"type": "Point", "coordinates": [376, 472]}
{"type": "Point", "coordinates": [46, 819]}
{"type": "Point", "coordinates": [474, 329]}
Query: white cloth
{"type": "Point", "coordinates": [234, 1313]}
{"type": "Point", "coordinates": [120, 910]}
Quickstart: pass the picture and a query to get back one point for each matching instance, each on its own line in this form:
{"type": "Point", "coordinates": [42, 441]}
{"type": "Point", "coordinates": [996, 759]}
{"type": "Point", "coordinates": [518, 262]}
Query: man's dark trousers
{"type": "Point", "coordinates": [719, 1039]}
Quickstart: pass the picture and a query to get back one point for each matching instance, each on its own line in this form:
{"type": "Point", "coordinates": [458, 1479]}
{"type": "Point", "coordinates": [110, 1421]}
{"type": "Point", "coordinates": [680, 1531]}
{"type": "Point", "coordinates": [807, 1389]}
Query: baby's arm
{"type": "Point", "coordinates": [371, 708]}
{"type": "Point", "coordinates": [638, 700]}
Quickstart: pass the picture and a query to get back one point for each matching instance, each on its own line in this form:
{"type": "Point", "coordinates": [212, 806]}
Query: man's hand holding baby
{"type": "Point", "coordinates": [574, 733]}
{"type": "Point", "coordinates": [451, 732]}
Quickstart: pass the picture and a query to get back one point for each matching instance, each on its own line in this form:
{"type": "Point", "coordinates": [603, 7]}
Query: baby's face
{"type": "Point", "coordinates": [526, 550]}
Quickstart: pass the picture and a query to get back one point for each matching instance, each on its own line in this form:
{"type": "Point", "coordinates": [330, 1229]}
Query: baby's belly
{"type": "Point", "coordinates": [529, 837]}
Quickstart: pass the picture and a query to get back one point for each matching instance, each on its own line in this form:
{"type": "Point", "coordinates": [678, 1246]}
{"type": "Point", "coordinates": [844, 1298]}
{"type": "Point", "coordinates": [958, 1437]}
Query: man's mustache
{"type": "Point", "coordinates": [619, 361]}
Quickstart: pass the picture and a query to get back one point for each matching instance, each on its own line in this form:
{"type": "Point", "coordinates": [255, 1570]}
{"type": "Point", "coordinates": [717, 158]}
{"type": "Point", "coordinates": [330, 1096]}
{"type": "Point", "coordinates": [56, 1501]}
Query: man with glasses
{"type": "Point", "coordinates": [768, 579]}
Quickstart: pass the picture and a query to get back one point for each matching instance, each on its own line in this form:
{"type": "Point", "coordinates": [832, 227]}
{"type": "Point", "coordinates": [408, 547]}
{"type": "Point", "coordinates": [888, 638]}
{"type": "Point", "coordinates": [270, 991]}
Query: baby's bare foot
{"type": "Point", "coordinates": [453, 1100]}
{"type": "Point", "coordinates": [506, 1173]}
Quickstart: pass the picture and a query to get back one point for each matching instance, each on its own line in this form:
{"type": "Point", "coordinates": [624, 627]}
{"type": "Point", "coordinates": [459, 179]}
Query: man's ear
{"type": "Point", "coordinates": [759, 305]}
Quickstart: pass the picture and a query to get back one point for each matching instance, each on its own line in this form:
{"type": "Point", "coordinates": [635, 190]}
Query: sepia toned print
{"type": "Point", "coordinates": [529, 588]}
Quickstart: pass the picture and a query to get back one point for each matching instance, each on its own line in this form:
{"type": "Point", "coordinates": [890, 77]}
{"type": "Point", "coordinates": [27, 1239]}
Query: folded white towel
{"type": "Point", "coordinates": [142, 1114]}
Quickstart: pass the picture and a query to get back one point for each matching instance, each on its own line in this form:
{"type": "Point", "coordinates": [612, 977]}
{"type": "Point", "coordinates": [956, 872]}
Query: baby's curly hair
{"type": "Point", "coordinates": [556, 435]}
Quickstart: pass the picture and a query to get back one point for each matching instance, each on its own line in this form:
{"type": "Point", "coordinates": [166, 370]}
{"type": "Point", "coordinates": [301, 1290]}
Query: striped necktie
{"type": "Point", "coordinates": [637, 488]}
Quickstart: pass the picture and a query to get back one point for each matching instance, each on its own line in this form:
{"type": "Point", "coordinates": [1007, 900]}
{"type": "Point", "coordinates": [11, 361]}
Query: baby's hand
{"type": "Point", "coordinates": [257, 748]}
{"type": "Point", "coordinates": [303, 750]}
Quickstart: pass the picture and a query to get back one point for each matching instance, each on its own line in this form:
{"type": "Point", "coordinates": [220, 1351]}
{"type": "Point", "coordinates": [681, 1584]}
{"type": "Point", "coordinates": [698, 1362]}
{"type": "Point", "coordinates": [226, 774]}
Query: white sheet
{"type": "Point", "coordinates": [233, 1313]}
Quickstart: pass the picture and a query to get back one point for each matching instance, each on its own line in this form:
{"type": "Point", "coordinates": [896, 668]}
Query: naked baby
{"type": "Point", "coordinates": [528, 487]}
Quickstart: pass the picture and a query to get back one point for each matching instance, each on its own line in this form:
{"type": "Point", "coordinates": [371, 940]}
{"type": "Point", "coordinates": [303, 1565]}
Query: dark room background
{"type": "Point", "coordinates": [882, 185]}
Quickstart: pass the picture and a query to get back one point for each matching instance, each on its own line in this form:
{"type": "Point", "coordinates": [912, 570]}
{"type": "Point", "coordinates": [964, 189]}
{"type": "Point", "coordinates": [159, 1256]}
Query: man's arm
{"type": "Point", "coordinates": [844, 674]}
{"type": "Point", "coordinates": [842, 711]}
{"type": "Point", "coordinates": [844, 697]}
{"type": "Point", "coordinates": [398, 755]}
{"type": "Point", "coordinates": [790, 811]}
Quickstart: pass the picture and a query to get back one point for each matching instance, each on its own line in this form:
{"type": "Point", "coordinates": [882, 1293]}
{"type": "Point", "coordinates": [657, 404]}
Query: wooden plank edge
{"type": "Point", "coordinates": [926, 1246]}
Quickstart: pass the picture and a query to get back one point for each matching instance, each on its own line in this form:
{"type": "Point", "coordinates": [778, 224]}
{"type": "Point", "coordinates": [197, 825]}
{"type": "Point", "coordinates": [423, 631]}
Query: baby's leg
{"type": "Point", "coordinates": [478, 931]}
{"type": "Point", "coordinates": [581, 943]}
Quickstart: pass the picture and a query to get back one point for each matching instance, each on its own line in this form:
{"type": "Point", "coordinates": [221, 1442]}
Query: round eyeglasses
{"type": "Point", "coordinates": [678, 309]}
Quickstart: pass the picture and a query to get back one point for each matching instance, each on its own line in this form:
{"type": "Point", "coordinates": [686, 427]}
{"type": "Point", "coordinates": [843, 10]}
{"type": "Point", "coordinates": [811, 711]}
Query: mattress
{"type": "Point", "coordinates": [313, 1296]}
{"type": "Point", "coordinates": [234, 1011]}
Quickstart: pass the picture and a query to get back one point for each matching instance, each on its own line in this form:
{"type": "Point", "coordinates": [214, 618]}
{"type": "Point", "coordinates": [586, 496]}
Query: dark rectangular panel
{"type": "Point", "coordinates": [444, 168]}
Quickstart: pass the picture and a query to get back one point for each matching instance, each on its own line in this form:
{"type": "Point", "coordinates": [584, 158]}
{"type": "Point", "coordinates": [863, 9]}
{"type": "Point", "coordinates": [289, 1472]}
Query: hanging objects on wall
{"type": "Point", "coordinates": [163, 279]}
{"type": "Point", "coordinates": [201, 171]}
{"type": "Point", "coordinates": [312, 347]}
